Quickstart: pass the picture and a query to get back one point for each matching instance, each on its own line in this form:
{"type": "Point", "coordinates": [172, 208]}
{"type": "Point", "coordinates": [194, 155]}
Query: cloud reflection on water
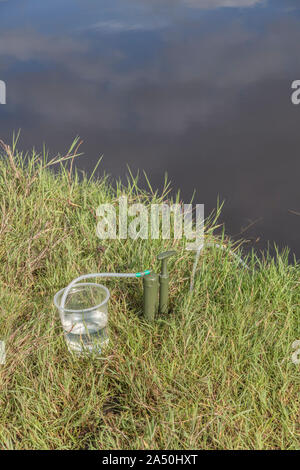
{"type": "Point", "coordinates": [206, 98]}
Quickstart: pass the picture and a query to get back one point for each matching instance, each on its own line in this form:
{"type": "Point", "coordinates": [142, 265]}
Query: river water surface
{"type": "Point", "coordinates": [198, 88]}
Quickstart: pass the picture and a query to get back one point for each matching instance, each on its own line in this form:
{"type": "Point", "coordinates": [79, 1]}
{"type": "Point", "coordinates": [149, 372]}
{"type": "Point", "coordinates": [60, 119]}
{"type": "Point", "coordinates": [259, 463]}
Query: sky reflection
{"type": "Point", "coordinates": [195, 87]}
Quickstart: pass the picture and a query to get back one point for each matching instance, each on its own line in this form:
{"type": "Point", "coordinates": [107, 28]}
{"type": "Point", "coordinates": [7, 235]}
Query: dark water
{"type": "Point", "coordinates": [200, 88]}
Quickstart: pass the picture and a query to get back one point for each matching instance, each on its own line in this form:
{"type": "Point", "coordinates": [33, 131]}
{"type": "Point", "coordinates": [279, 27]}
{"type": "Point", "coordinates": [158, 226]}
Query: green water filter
{"type": "Point", "coordinates": [164, 281]}
{"type": "Point", "coordinates": [151, 287]}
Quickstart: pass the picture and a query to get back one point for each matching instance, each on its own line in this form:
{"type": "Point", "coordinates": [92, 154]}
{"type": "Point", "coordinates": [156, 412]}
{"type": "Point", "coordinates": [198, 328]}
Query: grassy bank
{"type": "Point", "coordinates": [215, 373]}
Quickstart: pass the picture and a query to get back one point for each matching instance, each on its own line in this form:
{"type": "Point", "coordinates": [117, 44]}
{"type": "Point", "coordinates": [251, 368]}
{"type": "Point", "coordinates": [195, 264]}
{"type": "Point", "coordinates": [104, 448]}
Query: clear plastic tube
{"type": "Point", "coordinates": [95, 275]}
{"type": "Point", "coordinates": [200, 248]}
{"type": "Point", "coordinates": [144, 273]}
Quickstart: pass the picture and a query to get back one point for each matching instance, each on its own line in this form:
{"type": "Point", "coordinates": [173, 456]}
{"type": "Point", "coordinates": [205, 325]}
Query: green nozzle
{"type": "Point", "coordinates": [164, 280]}
{"type": "Point", "coordinates": [144, 273]}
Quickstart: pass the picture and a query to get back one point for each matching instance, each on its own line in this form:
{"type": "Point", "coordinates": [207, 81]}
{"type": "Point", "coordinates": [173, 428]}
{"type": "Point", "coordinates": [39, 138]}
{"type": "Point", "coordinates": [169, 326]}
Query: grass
{"type": "Point", "coordinates": [215, 373]}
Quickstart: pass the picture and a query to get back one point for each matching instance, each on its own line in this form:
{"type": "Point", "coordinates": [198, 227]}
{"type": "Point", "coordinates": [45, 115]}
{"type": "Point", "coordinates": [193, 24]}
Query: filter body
{"type": "Point", "coordinates": [151, 287]}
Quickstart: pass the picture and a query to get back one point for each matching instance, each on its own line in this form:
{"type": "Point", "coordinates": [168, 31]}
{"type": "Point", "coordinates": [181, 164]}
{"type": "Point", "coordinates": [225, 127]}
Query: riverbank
{"type": "Point", "coordinates": [215, 373]}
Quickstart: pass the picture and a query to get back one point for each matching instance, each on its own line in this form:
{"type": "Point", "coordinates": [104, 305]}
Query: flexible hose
{"type": "Point", "coordinates": [200, 248]}
{"type": "Point", "coordinates": [144, 273]}
{"type": "Point", "coordinates": [94, 275]}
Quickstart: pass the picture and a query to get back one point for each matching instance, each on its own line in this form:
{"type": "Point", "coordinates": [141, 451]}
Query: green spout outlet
{"type": "Point", "coordinates": [151, 284]}
{"type": "Point", "coordinates": [164, 281]}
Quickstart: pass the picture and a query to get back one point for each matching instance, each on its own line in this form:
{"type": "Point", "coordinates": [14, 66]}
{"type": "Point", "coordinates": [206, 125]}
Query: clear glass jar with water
{"type": "Point", "coordinates": [84, 317]}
